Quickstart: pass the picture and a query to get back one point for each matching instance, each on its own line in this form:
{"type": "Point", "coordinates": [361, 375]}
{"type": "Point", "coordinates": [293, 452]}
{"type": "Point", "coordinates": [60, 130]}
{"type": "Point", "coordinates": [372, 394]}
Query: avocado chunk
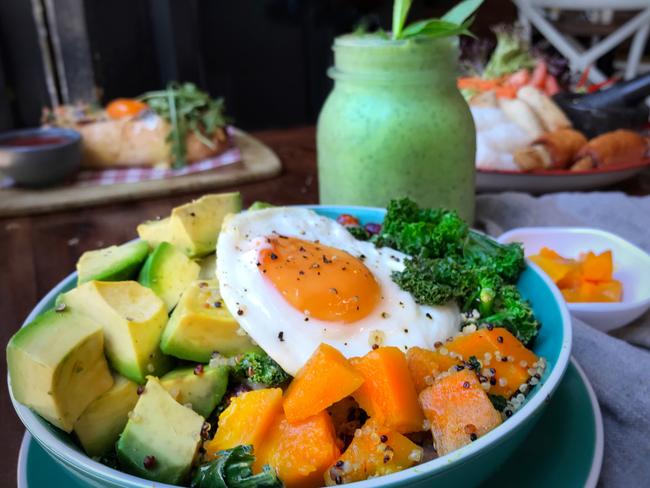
{"type": "Point", "coordinates": [133, 318]}
{"type": "Point", "coordinates": [114, 263]}
{"type": "Point", "coordinates": [161, 438]}
{"type": "Point", "coordinates": [57, 365]}
{"type": "Point", "coordinates": [153, 232]}
{"type": "Point", "coordinates": [208, 267]}
{"type": "Point", "coordinates": [202, 387]}
{"type": "Point", "coordinates": [201, 324]}
{"type": "Point", "coordinates": [259, 205]}
{"type": "Point", "coordinates": [167, 271]}
{"type": "Point", "coordinates": [193, 227]}
{"type": "Point", "coordinates": [104, 419]}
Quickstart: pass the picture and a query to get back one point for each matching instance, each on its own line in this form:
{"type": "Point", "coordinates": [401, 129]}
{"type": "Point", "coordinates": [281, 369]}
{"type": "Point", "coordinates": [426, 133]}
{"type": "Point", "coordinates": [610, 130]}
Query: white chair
{"type": "Point", "coordinates": [532, 12]}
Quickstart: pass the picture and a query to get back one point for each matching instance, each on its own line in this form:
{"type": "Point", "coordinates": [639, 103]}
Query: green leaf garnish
{"type": "Point", "coordinates": [400, 12]}
{"type": "Point", "coordinates": [456, 22]}
{"type": "Point", "coordinates": [186, 108]}
{"type": "Point", "coordinates": [461, 12]}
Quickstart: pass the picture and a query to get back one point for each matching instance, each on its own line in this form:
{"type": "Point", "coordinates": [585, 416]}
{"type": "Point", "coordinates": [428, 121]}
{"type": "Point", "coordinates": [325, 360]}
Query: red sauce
{"type": "Point", "coordinates": [29, 141]}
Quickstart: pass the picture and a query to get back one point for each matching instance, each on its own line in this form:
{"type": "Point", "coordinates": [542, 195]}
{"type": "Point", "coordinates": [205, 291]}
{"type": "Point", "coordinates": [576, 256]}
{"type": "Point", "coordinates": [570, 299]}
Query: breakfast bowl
{"type": "Point", "coordinates": [467, 466]}
{"type": "Point", "coordinates": [40, 156]}
{"type": "Point", "coordinates": [630, 265]}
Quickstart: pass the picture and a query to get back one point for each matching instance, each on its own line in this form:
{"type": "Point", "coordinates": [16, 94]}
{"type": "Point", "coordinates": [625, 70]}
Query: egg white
{"type": "Point", "coordinates": [280, 329]}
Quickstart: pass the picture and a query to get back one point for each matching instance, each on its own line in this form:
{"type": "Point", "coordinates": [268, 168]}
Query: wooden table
{"type": "Point", "coordinates": [39, 251]}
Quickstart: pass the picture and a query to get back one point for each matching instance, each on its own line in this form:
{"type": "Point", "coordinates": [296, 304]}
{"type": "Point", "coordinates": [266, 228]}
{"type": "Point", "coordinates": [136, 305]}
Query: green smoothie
{"type": "Point", "coordinates": [396, 125]}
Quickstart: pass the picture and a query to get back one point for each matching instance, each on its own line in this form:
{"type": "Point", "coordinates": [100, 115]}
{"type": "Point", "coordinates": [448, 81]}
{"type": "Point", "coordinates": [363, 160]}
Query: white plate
{"type": "Point", "coordinates": [631, 267]}
{"type": "Point", "coordinates": [555, 180]}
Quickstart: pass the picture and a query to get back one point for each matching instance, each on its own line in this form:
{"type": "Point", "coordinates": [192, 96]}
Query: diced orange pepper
{"type": "Point", "coordinates": [326, 378]}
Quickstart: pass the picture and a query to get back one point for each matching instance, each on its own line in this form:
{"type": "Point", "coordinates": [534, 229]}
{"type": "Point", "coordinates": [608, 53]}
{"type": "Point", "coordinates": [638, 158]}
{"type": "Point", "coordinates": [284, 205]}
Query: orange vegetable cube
{"type": "Point", "coordinates": [326, 378]}
{"type": "Point", "coordinates": [459, 411]}
{"type": "Point", "coordinates": [554, 265]}
{"type": "Point", "coordinates": [511, 370]}
{"type": "Point", "coordinates": [246, 420]}
{"type": "Point", "coordinates": [300, 452]}
{"type": "Point", "coordinates": [422, 366]}
{"type": "Point", "coordinates": [597, 267]}
{"type": "Point", "coordinates": [388, 394]}
{"type": "Point", "coordinates": [375, 451]}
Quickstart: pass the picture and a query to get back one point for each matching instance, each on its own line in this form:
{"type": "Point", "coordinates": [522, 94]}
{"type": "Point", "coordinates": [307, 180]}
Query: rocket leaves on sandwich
{"type": "Point", "coordinates": [451, 262]}
{"type": "Point", "coordinates": [454, 23]}
{"type": "Point", "coordinates": [187, 109]}
{"type": "Point", "coordinates": [233, 468]}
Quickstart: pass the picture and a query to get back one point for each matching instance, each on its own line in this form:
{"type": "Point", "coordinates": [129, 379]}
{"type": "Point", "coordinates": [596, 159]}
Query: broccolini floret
{"type": "Point", "coordinates": [233, 468]}
{"type": "Point", "coordinates": [259, 368]}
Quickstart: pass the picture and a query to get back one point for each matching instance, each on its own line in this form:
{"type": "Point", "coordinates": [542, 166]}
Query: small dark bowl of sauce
{"type": "Point", "coordinates": [40, 156]}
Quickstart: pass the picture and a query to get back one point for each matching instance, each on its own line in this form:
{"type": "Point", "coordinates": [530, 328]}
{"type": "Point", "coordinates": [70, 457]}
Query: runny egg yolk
{"type": "Point", "coordinates": [322, 282]}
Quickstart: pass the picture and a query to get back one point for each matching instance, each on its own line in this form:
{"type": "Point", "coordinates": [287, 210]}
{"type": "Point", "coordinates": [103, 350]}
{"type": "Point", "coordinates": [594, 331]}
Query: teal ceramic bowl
{"type": "Point", "coordinates": [465, 467]}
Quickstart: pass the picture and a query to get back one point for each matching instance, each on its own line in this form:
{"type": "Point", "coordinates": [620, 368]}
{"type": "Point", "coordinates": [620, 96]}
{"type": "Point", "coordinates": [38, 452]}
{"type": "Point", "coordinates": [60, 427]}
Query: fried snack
{"type": "Point", "coordinates": [522, 115]}
{"type": "Point", "coordinates": [549, 113]}
{"type": "Point", "coordinates": [614, 148]}
{"type": "Point", "coordinates": [553, 150]}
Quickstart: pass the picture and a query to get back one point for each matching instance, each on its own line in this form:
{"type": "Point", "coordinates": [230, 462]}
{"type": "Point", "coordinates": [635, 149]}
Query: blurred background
{"type": "Point", "coordinates": [268, 58]}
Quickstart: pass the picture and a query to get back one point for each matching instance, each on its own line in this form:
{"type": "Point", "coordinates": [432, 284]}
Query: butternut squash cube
{"type": "Point", "coordinates": [326, 378]}
{"type": "Point", "coordinates": [388, 394]}
{"type": "Point", "coordinates": [247, 420]}
{"type": "Point", "coordinates": [459, 411]}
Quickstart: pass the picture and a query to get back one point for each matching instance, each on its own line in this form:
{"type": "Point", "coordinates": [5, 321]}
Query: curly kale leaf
{"type": "Point", "coordinates": [359, 232]}
{"type": "Point", "coordinates": [233, 469]}
{"type": "Point", "coordinates": [506, 260]}
{"type": "Point", "coordinates": [259, 368]}
{"type": "Point", "coordinates": [431, 233]}
{"type": "Point", "coordinates": [512, 312]}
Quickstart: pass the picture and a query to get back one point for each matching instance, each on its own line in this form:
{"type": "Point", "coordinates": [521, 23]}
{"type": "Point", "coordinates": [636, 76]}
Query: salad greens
{"type": "Point", "coordinates": [452, 262]}
{"type": "Point", "coordinates": [187, 109]}
{"type": "Point", "coordinates": [453, 23]}
{"type": "Point", "coordinates": [257, 367]}
{"type": "Point", "coordinates": [511, 54]}
{"type": "Point", "coordinates": [233, 469]}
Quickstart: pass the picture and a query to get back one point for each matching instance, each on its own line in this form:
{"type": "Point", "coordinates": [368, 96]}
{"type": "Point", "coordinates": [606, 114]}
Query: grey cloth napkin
{"type": "Point", "coordinates": [618, 365]}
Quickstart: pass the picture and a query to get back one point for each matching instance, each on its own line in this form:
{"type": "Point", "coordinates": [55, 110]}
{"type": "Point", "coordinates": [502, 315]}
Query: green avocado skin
{"type": "Point", "coordinates": [118, 268]}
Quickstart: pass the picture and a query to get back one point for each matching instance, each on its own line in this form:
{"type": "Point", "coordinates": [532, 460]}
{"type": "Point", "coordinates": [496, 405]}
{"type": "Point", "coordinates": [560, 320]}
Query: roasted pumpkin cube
{"type": "Point", "coordinates": [326, 378]}
{"type": "Point", "coordinates": [246, 420]}
{"type": "Point", "coordinates": [497, 350]}
{"type": "Point", "coordinates": [459, 411]}
{"type": "Point", "coordinates": [388, 394]}
{"type": "Point", "coordinates": [422, 366]}
{"type": "Point", "coordinates": [299, 452]}
{"type": "Point", "coordinates": [375, 451]}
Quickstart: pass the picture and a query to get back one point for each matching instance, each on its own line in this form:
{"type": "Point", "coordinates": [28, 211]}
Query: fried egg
{"type": "Point", "coordinates": [294, 279]}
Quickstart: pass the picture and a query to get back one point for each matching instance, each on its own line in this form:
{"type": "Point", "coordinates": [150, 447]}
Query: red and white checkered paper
{"type": "Point", "coordinates": [102, 177]}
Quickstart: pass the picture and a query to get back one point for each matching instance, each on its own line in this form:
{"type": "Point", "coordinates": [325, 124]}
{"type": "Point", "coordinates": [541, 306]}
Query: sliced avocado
{"type": "Point", "coordinates": [161, 438]}
{"type": "Point", "coordinates": [201, 324]}
{"type": "Point", "coordinates": [57, 365]}
{"type": "Point", "coordinates": [203, 388]}
{"type": "Point", "coordinates": [208, 267]}
{"type": "Point", "coordinates": [114, 263]}
{"type": "Point", "coordinates": [167, 271]}
{"type": "Point", "coordinates": [104, 419]}
{"type": "Point", "coordinates": [153, 232]}
{"type": "Point", "coordinates": [193, 228]}
{"type": "Point", "coordinates": [258, 205]}
{"type": "Point", "coordinates": [133, 318]}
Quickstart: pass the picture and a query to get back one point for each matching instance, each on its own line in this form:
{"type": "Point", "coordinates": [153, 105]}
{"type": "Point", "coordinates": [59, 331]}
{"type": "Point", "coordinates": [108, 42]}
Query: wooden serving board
{"type": "Point", "coordinates": [258, 162]}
